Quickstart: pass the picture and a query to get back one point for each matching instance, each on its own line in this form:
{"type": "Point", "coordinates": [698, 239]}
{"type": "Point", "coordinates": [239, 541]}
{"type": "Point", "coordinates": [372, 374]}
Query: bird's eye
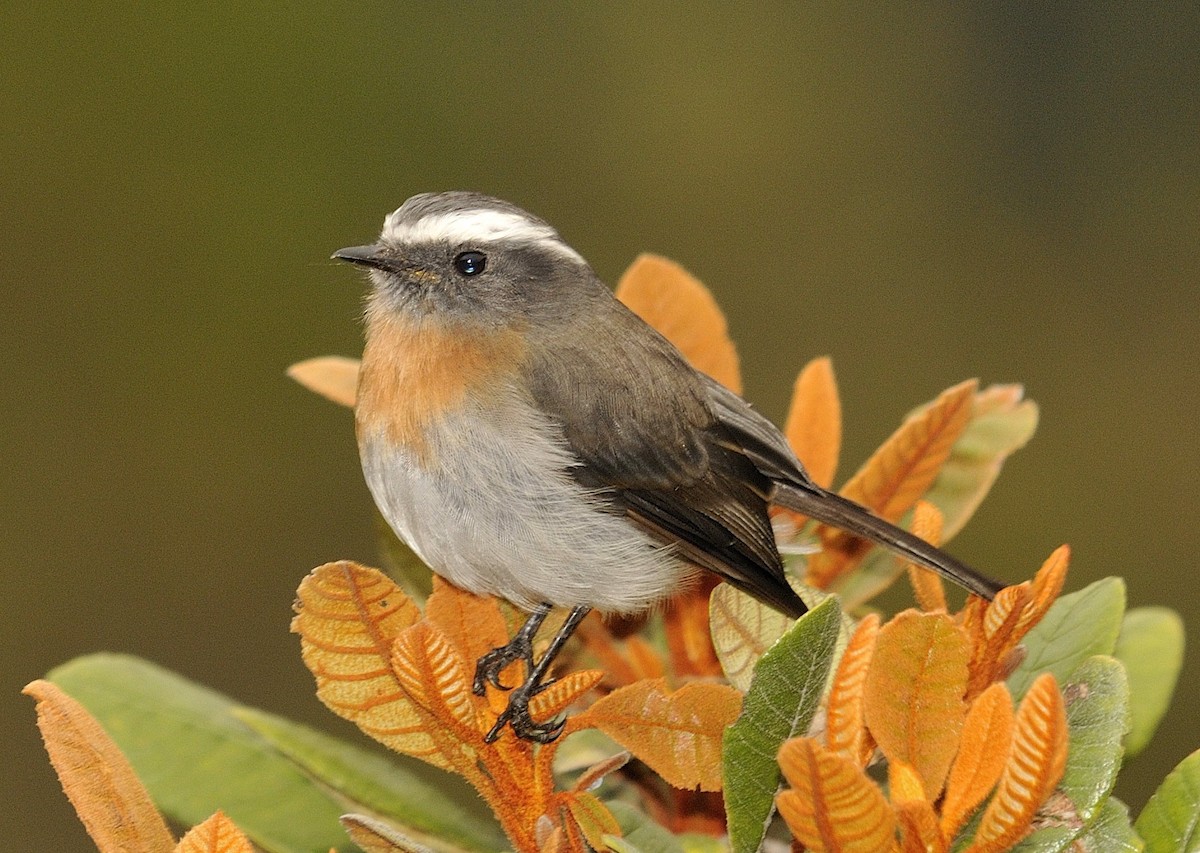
{"type": "Point", "coordinates": [470, 263]}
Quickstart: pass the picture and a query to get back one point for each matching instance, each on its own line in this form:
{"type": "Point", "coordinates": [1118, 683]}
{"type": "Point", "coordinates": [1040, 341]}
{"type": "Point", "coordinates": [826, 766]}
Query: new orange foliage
{"type": "Point", "coordinates": [681, 308]}
{"type": "Point", "coordinates": [832, 805]}
{"type": "Point", "coordinates": [982, 754]}
{"type": "Point", "coordinates": [846, 732]}
{"type": "Point", "coordinates": [111, 801]}
{"type": "Point", "coordinates": [896, 475]}
{"type": "Point", "coordinates": [1035, 765]}
{"type": "Point", "coordinates": [927, 586]}
{"type": "Point", "coordinates": [678, 734]}
{"type": "Point", "coordinates": [814, 422]}
{"type": "Point", "coordinates": [404, 679]}
{"type": "Point", "coordinates": [913, 695]}
{"type": "Point", "coordinates": [218, 834]}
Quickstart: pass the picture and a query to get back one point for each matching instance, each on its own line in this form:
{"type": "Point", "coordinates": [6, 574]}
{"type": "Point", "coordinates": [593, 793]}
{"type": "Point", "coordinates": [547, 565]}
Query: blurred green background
{"type": "Point", "coordinates": [926, 192]}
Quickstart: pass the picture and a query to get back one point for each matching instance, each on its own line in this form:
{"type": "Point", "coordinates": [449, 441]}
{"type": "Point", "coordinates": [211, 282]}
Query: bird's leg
{"type": "Point", "coordinates": [521, 648]}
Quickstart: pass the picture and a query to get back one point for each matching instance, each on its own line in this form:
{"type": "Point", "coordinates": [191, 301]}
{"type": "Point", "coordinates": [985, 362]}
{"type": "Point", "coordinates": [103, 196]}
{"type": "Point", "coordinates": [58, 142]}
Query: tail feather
{"type": "Point", "coordinates": [844, 514]}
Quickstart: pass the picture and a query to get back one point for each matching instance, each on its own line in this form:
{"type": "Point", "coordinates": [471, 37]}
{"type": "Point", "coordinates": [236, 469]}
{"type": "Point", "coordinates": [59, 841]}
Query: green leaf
{"type": "Point", "coordinates": [1001, 424]}
{"type": "Point", "coordinates": [1112, 832]}
{"type": "Point", "coordinates": [1078, 626]}
{"type": "Point", "coordinates": [1051, 839]}
{"type": "Point", "coordinates": [431, 806]}
{"type": "Point", "coordinates": [639, 834]}
{"type": "Point", "coordinates": [1097, 697]}
{"type": "Point", "coordinates": [784, 694]}
{"type": "Point", "coordinates": [1151, 647]}
{"type": "Point", "coordinates": [194, 757]}
{"type": "Point", "coordinates": [1170, 822]}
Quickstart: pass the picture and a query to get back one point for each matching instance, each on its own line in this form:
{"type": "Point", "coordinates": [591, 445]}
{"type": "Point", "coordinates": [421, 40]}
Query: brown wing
{"type": "Point", "coordinates": [638, 418]}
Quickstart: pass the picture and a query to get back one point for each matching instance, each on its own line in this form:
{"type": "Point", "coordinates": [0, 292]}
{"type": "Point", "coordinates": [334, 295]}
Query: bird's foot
{"type": "Point", "coordinates": [489, 667]}
{"type": "Point", "coordinates": [523, 724]}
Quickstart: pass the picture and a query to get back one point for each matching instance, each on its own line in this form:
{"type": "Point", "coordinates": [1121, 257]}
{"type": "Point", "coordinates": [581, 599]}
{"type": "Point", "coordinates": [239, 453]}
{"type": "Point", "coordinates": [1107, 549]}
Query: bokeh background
{"type": "Point", "coordinates": [925, 192]}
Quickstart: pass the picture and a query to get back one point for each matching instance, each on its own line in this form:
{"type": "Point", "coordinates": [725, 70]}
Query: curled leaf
{"type": "Point", "coordinates": [982, 754]}
{"type": "Point", "coordinates": [845, 731]}
{"type": "Point", "coordinates": [678, 734]}
{"type": "Point", "coordinates": [832, 805]}
{"type": "Point", "coordinates": [1035, 764]}
{"type": "Point", "coordinates": [107, 795]}
{"type": "Point", "coordinates": [675, 303]}
{"type": "Point", "coordinates": [334, 377]}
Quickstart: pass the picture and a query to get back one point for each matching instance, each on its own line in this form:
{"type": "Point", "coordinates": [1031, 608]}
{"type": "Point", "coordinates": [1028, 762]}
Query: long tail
{"type": "Point", "coordinates": [845, 514]}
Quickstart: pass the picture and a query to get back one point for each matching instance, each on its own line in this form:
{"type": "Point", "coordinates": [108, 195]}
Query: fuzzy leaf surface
{"type": "Point", "coordinates": [97, 778]}
{"type": "Point", "coordinates": [682, 309]}
{"type": "Point", "coordinates": [913, 695]}
{"type": "Point", "coordinates": [677, 733]}
{"type": "Point", "coordinates": [218, 834]}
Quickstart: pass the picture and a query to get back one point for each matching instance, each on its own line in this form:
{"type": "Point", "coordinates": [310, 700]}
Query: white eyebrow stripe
{"type": "Point", "coordinates": [473, 225]}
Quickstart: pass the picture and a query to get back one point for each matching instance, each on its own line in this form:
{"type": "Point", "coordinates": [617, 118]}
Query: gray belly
{"type": "Point", "coordinates": [502, 516]}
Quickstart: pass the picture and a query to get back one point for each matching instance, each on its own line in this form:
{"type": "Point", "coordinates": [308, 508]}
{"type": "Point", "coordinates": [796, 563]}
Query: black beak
{"type": "Point", "coordinates": [367, 256]}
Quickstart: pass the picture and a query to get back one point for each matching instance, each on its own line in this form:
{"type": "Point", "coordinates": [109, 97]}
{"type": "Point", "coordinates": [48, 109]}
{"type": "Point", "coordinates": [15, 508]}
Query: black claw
{"type": "Point", "coordinates": [537, 679]}
{"type": "Point", "coordinates": [523, 724]}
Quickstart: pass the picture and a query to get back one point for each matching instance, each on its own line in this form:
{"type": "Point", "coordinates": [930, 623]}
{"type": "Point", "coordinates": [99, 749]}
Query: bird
{"type": "Point", "coordinates": [531, 438]}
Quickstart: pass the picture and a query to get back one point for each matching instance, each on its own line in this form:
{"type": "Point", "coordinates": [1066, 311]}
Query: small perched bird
{"type": "Point", "coordinates": [530, 437]}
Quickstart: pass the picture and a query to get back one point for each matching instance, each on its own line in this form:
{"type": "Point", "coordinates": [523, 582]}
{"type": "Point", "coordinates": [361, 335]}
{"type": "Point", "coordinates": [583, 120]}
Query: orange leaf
{"type": "Point", "coordinates": [347, 617]}
{"type": "Point", "coordinates": [927, 586]}
{"type": "Point", "coordinates": [814, 422]}
{"type": "Point", "coordinates": [982, 753]}
{"type": "Point", "coordinates": [995, 639]}
{"type": "Point", "coordinates": [334, 377]}
{"type": "Point", "coordinates": [845, 732]}
{"type": "Point", "coordinates": [563, 693]}
{"type": "Point", "coordinates": [919, 832]}
{"type": "Point", "coordinates": [1047, 584]}
{"type": "Point", "coordinates": [906, 465]}
{"type": "Point", "coordinates": [689, 638]}
{"type": "Point", "coordinates": [832, 805]}
{"type": "Point", "coordinates": [895, 476]}
{"type": "Point", "coordinates": [913, 696]}
{"type": "Point", "coordinates": [218, 834]}
{"type": "Point", "coordinates": [675, 303]}
{"type": "Point", "coordinates": [111, 801]}
{"type": "Point", "coordinates": [677, 733]}
{"type": "Point", "coordinates": [1035, 765]}
{"type": "Point", "coordinates": [433, 675]}
{"type": "Point", "coordinates": [904, 783]}
{"type": "Point", "coordinates": [592, 818]}
{"type": "Point", "coordinates": [472, 623]}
